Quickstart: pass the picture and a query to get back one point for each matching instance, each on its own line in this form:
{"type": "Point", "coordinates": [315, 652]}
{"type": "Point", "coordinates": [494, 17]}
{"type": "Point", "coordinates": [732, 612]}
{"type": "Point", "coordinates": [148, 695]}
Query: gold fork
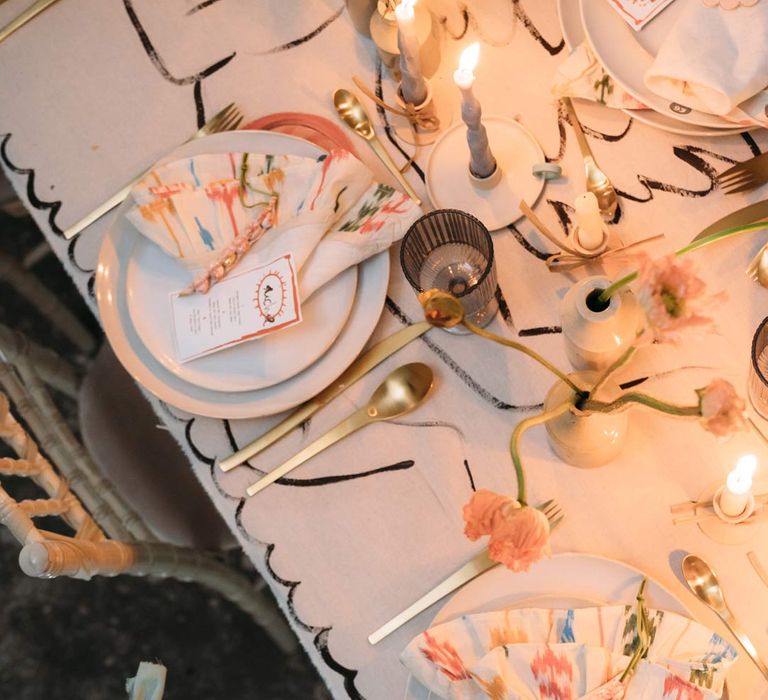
{"type": "Point", "coordinates": [745, 176]}
{"type": "Point", "coordinates": [472, 569]}
{"type": "Point", "coordinates": [757, 269]}
{"type": "Point", "coordinates": [227, 119]}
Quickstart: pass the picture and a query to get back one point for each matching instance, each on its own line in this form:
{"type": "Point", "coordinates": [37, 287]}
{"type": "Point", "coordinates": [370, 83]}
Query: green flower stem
{"type": "Point", "coordinates": [522, 348]}
{"type": "Point", "coordinates": [643, 399]}
{"type": "Point", "coordinates": [606, 294]}
{"type": "Point", "coordinates": [643, 633]}
{"type": "Point", "coordinates": [517, 433]}
{"type": "Point", "coordinates": [608, 372]}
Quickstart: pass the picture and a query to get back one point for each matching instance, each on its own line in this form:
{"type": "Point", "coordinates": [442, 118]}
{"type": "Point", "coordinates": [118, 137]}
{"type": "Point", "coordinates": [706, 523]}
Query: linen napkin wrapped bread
{"type": "Point", "coordinates": [327, 212]}
{"type": "Point", "coordinates": [537, 654]}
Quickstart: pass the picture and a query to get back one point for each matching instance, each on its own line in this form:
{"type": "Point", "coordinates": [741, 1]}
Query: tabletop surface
{"type": "Point", "coordinates": [92, 93]}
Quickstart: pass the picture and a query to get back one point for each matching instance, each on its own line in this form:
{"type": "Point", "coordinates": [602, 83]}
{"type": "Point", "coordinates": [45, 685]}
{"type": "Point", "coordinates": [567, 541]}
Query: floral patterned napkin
{"type": "Point", "coordinates": [451, 657]}
{"type": "Point", "coordinates": [195, 208]}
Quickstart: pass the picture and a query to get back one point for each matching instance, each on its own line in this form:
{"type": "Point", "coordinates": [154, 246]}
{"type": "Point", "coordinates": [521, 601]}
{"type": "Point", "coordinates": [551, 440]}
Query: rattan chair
{"type": "Point", "coordinates": [110, 537]}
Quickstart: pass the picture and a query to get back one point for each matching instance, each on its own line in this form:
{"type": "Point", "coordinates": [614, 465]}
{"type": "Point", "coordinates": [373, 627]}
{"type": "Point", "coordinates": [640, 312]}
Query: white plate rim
{"type": "Point", "coordinates": [567, 11]}
{"type": "Point", "coordinates": [196, 371]}
{"type": "Point", "coordinates": [165, 386]}
{"type": "Point", "coordinates": [417, 691]}
{"type": "Point", "coordinates": [646, 97]}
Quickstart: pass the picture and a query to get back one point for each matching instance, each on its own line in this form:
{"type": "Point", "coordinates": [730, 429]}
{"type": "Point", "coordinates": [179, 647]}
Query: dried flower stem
{"type": "Point", "coordinates": [527, 351]}
{"type": "Point", "coordinates": [643, 633]}
{"type": "Point", "coordinates": [514, 441]}
{"type": "Point", "coordinates": [643, 399]}
{"type": "Point", "coordinates": [606, 294]}
{"type": "Point", "coordinates": [608, 372]}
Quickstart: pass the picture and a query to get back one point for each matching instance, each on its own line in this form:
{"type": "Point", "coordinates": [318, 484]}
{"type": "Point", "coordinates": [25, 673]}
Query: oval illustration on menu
{"type": "Point", "coordinates": [270, 299]}
{"type": "Point", "coordinates": [679, 109]}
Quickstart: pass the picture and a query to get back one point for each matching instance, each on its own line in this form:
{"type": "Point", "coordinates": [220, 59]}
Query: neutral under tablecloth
{"type": "Point", "coordinates": [92, 92]}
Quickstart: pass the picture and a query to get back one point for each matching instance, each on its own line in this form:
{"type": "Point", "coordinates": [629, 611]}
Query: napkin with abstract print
{"type": "Point", "coordinates": [195, 209]}
{"type": "Point", "coordinates": [445, 658]}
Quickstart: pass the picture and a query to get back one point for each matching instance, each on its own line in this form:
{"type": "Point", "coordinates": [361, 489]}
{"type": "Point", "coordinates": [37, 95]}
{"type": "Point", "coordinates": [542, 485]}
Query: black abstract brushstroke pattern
{"type": "Point", "coordinates": [542, 330]}
{"type": "Point", "coordinates": [462, 33]}
{"type": "Point", "coordinates": [307, 37]}
{"type": "Point", "coordinates": [562, 117]}
{"type": "Point", "coordinates": [691, 155]}
{"type": "Point", "coordinates": [469, 474]}
{"type": "Point", "coordinates": [523, 241]}
{"type": "Point", "coordinates": [201, 6]}
{"type": "Point", "coordinates": [199, 105]}
{"type": "Point", "coordinates": [522, 16]}
{"type": "Point", "coordinates": [385, 119]}
{"type": "Point", "coordinates": [320, 480]}
{"type": "Point", "coordinates": [454, 366]}
{"type": "Point", "coordinates": [205, 459]}
{"type": "Point", "coordinates": [753, 147]}
{"type": "Point", "coordinates": [157, 61]}
{"type": "Point", "coordinates": [72, 257]}
{"type": "Point", "coordinates": [51, 207]}
{"type": "Point", "coordinates": [563, 212]}
{"type": "Point", "coordinates": [506, 314]}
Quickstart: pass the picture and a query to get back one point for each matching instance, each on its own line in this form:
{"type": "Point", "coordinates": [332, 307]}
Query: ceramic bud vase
{"type": "Point", "coordinates": [595, 338]}
{"type": "Point", "coordinates": [360, 12]}
{"type": "Point", "coordinates": [383, 31]}
{"type": "Point", "coordinates": [586, 439]}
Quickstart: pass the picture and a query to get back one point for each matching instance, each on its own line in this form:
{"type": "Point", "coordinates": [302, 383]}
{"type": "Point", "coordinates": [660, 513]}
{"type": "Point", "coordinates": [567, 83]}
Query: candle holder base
{"type": "Point", "coordinates": [516, 151]}
{"type": "Point", "coordinates": [485, 183]}
{"type": "Point", "coordinates": [723, 528]}
{"type": "Point", "coordinates": [440, 107]}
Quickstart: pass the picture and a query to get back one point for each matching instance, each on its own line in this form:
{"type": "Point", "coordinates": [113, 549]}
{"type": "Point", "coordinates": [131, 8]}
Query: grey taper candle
{"type": "Point", "coordinates": [481, 160]}
{"type": "Point", "coordinates": [413, 86]}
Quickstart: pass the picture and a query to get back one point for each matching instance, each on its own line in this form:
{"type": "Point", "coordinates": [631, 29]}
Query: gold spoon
{"type": "Point", "coordinates": [353, 114]}
{"type": "Point", "coordinates": [597, 181]}
{"type": "Point", "coordinates": [401, 392]}
{"type": "Point", "coordinates": [705, 586]}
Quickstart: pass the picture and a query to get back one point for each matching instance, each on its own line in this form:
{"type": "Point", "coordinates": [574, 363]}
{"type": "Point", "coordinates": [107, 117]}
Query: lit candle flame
{"type": "Point", "coordinates": [469, 58]}
{"type": "Point", "coordinates": [405, 10]}
{"type": "Point", "coordinates": [740, 479]}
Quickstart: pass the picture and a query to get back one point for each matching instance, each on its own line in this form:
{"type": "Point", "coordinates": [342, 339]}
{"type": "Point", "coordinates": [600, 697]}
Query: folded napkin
{"type": "Point", "coordinates": [444, 658]}
{"type": "Point", "coordinates": [194, 209]}
{"type": "Point", "coordinates": [713, 59]}
{"type": "Point", "coordinates": [582, 75]}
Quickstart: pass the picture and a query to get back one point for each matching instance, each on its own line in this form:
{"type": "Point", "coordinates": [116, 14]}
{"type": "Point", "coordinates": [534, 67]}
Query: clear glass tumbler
{"type": "Point", "coordinates": [452, 251]}
{"type": "Point", "coordinates": [758, 372]}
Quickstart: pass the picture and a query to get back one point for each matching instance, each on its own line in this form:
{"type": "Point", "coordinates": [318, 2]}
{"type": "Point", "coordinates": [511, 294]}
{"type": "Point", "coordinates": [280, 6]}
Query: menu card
{"type": "Point", "coordinates": [242, 306]}
{"type": "Point", "coordinates": [637, 13]}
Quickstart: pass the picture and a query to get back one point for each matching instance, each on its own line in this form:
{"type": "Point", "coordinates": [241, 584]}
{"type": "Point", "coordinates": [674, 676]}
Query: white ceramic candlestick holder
{"type": "Point", "coordinates": [723, 528]}
{"type": "Point", "coordinates": [437, 105]}
{"type": "Point", "coordinates": [494, 200]}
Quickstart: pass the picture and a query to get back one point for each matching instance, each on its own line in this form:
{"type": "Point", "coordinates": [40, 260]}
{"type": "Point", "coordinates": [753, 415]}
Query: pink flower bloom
{"type": "Point", "coordinates": [481, 512]}
{"type": "Point", "coordinates": [722, 409]}
{"type": "Point", "coordinates": [672, 297]}
{"type": "Point", "coordinates": [520, 537]}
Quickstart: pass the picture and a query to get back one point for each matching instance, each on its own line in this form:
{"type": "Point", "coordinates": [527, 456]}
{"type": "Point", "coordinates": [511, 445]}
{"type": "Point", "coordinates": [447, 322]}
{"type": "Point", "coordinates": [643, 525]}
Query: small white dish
{"type": "Point", "coordinates": [152, 276]}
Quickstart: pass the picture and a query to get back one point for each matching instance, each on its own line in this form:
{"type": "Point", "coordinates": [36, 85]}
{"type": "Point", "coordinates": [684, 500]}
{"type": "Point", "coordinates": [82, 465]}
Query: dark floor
{"type": "Point", "coordinates": [65, 639]}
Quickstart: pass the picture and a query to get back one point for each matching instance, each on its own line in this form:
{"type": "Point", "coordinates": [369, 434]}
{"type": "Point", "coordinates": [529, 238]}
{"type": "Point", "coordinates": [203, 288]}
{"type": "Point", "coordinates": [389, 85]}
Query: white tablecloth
{"type": "Point", "coordinates": [92, 92]}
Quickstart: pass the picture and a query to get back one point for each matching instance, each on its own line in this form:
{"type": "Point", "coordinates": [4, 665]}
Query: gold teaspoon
{"type": "Point", "coordinates": [701, 579]}
{"type": "Point", "coordinates": [597, 181]}
{"type": "Point", "coordinates": [401, 392]}
{"type": "Point", "coordinates": [353, 114]}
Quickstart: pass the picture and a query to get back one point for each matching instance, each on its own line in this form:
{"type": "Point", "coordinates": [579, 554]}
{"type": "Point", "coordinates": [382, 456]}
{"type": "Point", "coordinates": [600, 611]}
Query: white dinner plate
{"type": "Point", "coordinates": [627, 54]}
{"type": "Point", "coordinates": [563, 581]}
{"type": "Point", "coordinates": [151, 278]}
{"type": "Point", "coordinates": [111, 297]}
{"type": "Point", "coordinates": [573, 33]}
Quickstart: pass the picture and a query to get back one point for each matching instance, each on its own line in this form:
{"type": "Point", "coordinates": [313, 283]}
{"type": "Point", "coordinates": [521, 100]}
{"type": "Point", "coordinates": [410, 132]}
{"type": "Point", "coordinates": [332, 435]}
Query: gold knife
{"type": "Point", "coordinates": [752, 213]}
{"type": "Point", "coordinates": [479, 564]}
{"type": "Point", "coordinates": [102, 209]}
{"type": "Point", "coordinates": [35, 9]}
{"type": "Point", "coordinates": [360, 367]}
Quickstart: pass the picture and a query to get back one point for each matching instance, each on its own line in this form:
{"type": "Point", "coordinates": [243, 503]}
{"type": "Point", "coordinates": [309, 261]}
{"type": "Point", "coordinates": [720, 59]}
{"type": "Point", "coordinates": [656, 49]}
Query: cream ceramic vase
{"type": "Point", "coordinates": [593, 338]}
{"type": "Point", "coordinates": [586, 439]}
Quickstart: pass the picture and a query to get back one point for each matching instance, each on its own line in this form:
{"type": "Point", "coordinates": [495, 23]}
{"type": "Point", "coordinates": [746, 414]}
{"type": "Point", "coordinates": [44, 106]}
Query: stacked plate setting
{"type": "Point", "coordinates": [262, 377]}
{"type": "Point", "coordinates": [626, 55]}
